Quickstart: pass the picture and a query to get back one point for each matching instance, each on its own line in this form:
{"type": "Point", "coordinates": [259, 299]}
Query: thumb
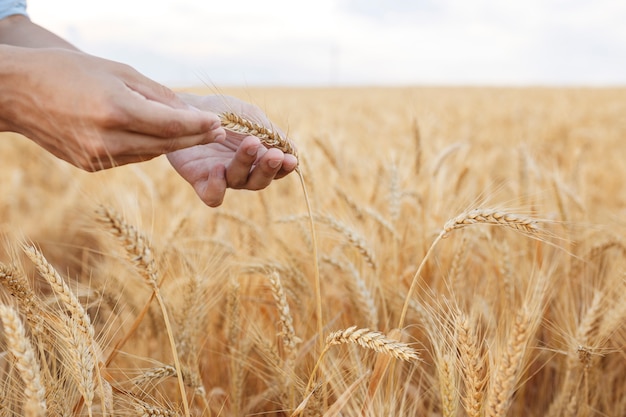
{"type": "Point", "coordinates": [152, 90]}
{"type": "Point", "coordinates": [212, 191]}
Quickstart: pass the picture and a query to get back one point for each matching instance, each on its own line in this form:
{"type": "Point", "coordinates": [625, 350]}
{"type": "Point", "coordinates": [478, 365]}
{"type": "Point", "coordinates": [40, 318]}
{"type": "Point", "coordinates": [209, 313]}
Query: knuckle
{"type": "Point", "coordinates": [112, 116]}
{"type": "Point", "coordinates": [172, 129]}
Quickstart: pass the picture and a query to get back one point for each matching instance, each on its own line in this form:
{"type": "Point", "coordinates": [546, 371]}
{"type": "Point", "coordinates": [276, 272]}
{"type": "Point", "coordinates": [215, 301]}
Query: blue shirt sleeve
{"type": "Point", "coordinates": [11, 7]}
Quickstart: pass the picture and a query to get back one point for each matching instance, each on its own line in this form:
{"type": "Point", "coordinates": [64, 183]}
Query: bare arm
{"type": "Point", "coordinates": [18, 30]}
{"type": "Point", "coordinates": [96, 114]}
{"type": "Point", "coordinates": [89, 111]}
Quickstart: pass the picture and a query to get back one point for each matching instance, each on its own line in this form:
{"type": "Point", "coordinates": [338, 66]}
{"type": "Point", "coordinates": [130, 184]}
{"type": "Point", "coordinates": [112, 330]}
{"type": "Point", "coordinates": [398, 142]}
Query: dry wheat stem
{"type": "Point", "coordinates": [316, 265]}
{"type": "Point", "coordinates": [25, 361]}
{"type": "Point", "coordinates": [273, 139]}
{"type": "Point", "coordinates": [80, 331]}
{"type": "Point", "coordinates": [138, 250]}
{"type": "Point", "coordinates": [364, 301]}
{"type": "Point", "coordinates": [468, 218]}
{"type": "Point", "coordinates": [61, 289]}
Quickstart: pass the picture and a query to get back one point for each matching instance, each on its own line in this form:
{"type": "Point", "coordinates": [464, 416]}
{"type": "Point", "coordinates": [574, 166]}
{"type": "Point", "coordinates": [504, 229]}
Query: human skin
{"type": "Point", "coordinates": [97, 114]}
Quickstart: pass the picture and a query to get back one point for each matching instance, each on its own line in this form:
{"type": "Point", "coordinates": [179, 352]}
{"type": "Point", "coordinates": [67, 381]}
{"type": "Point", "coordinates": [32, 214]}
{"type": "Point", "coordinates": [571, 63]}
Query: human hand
{"type": "Point", "coordinates": [95, 113]}
{"type": "Point", "coordinates": [238, 162]}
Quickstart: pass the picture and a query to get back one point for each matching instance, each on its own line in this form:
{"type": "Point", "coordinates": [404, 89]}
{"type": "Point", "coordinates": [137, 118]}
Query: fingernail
{"type": "Point", "coordinates": [215, 124]}
{"type": "Point", "coordinates": [253, 150]}
{"type": "Point", "coordinates": [219, 134]}
{"type": "Point", "coordinates": [291, 159]}
{"type": "Point", "coordinates": [274, 163]}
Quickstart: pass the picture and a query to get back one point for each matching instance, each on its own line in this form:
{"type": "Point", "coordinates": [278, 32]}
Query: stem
{"type": "Point", "coordinates": [318, 285]}
{"type": "Point", "coordinates": [409, 294]}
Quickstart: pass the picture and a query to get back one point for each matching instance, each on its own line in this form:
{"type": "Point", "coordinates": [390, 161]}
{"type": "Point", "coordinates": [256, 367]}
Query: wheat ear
{"type": "Point", "coordinates": [287, 332]}
{"type": "Point", "coordinates": [139, 251]}
{"type": "Point", "coordinates": [268, 137]}
{"type": "Point", "coordinates": [491, 216]}
{"type": "Point", "coordinates": [468, 218]}
{"type": "Point", "coordinates": [504, 382]}
{"type": "Point", "coordinates": [373, 340]}
{"type": "Point", "coordinates": [272, 139]}
{"type": "Point", "coordinates": [18, 286]}
{"type": "Point", "coordinates": [78, 330]}
{"type": "Point", "coordinates": [25, 361]}
{"type": "Point", "coordinates": [472, 366]}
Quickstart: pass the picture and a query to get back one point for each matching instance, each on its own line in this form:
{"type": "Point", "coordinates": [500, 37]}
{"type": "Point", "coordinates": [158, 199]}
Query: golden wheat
{"type": "Point", "coordinates": [373, 340]}
{"type": "Point", "coordinates": [268, 137]}
{"type": "Point", "coordinates": [517, 324]}
{"type": "Point", "coordinates": [25, 361]}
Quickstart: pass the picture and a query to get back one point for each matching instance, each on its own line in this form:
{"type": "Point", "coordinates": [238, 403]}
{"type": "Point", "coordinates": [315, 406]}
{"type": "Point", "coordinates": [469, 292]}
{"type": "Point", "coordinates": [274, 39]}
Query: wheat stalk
{"type": "Point", "coordinates": [509, 367]}
{"type": "Point", "coordinates": [25, 361]}
{"type": "Point", "coordinates": [272, 139]}
{"type": "Point", "coordinates": [468, 218]}
{"type": "Point", "coordinates": [61, 289]}
{"type": "Point", "coordinates": [471, 364]}
{"type": "Point", "coordinates": [363, 299]}
{"type": "Point", "coordinates": [268, 137]}
{"type": "Point", "coordinates": [78, 330]}
{"type": "Point", "coordinates": [139, 251]}
{"type": "Point", "coordinates": [491, 216]}
{"type": "Point", "coordinates": [355, 239]}
{"type": "Point", "coordinates": [373, 340]}
{"type": "Point", "coordinates": [447, 384]}
{"type": "Point", "coordinates": [81, 361]}
{"type": "Point", "coordinates": [19, 287]}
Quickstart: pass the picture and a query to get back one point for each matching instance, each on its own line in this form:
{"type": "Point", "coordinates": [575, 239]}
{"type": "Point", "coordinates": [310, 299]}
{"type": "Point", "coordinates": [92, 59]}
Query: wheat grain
{"type": "Point", "coordinates": [447, 385]}
{"type": "Point", "coordinates": [287, 332]}
{"type": "Point", "coordinates": [356, 240]}
{"type": "Point", "coordinates": [153, 375]}
{"type": "Point", "coordinates": [26, 362]}
{"type": "Point", "coordinates": [19, 287]}
{"type": "Point", "coordinates": [140, 253]}
{"type": "Point", "coordinates": [62, 290]}
{"type": "Point", "coordinates": [509, 366]}
{"type": "Point", "coordinates": [471, 365]}
{"type": "Point", "coordinates": [494, 217]}
{"type": "Point", "coordinates": [375, 341]}
{"type": "Point", "coordinates": [133, 241]}
{"type": "Point", "coordinates": [144, 409]}
{"type": "Point", "coordinates": [81, 363]}
{"type": "Point", "coordinates": [268, 137]}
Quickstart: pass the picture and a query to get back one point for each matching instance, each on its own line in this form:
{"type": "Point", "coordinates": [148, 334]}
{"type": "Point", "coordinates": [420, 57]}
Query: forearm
{"type": "Point", "coordinates": [18, 30]}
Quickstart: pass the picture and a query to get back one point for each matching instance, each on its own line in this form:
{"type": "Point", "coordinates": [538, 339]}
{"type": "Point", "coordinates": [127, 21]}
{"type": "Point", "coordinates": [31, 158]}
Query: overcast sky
{"type": "Point", "coordinates": [351, 42]}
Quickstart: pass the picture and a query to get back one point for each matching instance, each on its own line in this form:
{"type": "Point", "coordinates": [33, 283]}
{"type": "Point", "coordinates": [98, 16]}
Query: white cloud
{"type": "Point", "coordinates": [352, 41]}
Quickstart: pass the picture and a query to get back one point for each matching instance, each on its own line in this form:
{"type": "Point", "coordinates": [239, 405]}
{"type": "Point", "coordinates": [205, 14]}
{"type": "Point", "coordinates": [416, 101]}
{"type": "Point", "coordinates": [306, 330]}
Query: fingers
{"type": "Point", "coordinates": [146, 146]}
{"type": "Point", "coordinates": [213, 190]}
{"type": "Point", "coordinates": [153, 118]}
{"type": "Point", "coordinates": [251, 172]}
{"type": "Point", "coordinates": [147, 107]}
{"type": "Point", "coordinates": [238, 170]}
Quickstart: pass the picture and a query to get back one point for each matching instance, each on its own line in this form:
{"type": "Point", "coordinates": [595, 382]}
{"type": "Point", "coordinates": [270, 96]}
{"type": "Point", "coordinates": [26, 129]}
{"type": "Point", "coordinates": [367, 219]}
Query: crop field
{"type": "Point", "coordinates": [468, 259]}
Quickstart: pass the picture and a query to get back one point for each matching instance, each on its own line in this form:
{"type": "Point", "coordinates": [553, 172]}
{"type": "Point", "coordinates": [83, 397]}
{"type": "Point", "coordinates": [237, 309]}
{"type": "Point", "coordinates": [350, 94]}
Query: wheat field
{"type": "Point", "coordinates": [468, 260]}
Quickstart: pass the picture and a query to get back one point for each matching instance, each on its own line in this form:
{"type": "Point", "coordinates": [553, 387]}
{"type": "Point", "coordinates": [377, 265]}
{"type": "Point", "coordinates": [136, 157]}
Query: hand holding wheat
{"type": "Point", "coordinates": [240, 161]}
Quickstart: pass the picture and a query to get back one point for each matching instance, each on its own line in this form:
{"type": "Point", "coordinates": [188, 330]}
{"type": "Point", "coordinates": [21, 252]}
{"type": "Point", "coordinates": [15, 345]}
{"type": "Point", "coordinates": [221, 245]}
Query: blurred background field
{"type": "Point", "coordinates": [390, 166]}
